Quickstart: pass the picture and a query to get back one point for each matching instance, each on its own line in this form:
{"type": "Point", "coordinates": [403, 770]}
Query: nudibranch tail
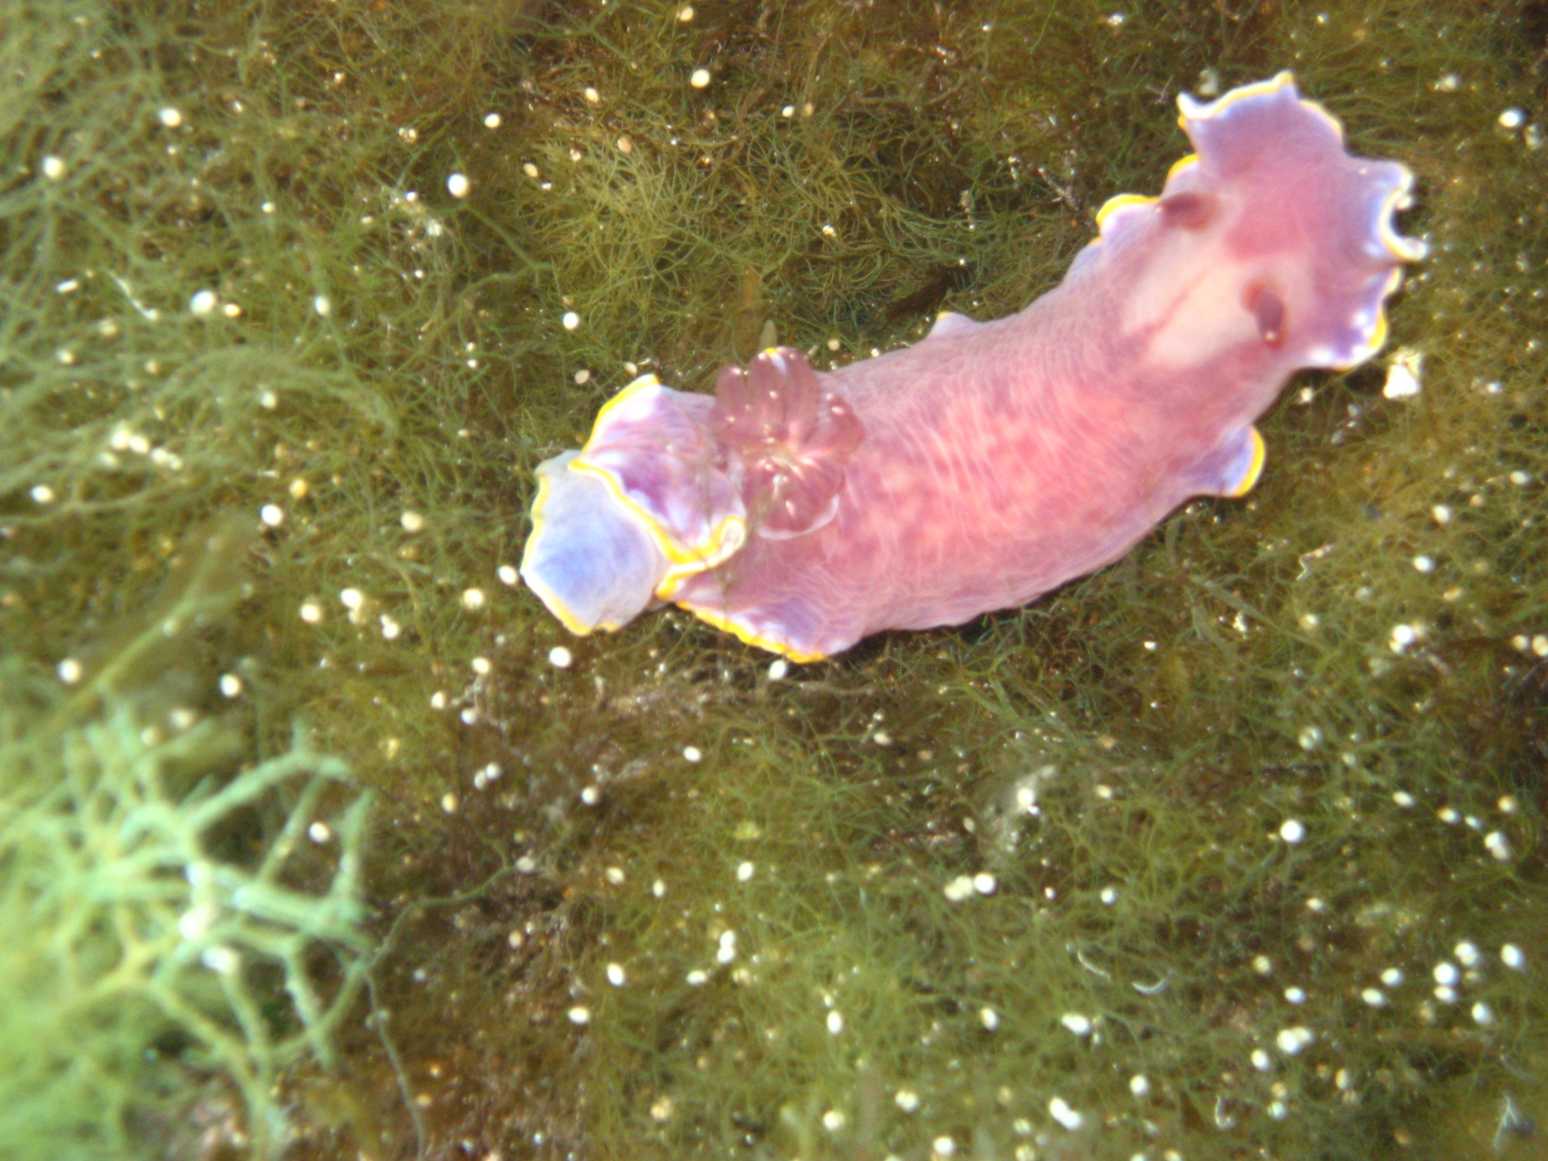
{"type": "Point", "coordinates": [791, 437]}
{"type": "Point", "coordinates": [589, 558]}
{"type": "Point", "coordinates": [644, 505]}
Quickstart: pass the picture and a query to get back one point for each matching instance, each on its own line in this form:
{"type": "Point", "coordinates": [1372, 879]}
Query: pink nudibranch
{"type": "Point", "coordinates": [992, 461]}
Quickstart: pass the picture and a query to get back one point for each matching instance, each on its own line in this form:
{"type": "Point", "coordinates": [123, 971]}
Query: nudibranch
{"type": "Point", "coordinates": [992, 461]}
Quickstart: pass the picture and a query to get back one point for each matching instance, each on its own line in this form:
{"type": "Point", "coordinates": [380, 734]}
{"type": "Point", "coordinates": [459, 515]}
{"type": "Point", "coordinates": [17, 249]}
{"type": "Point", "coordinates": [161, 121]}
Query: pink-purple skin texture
{"type": "Point", "coordinates": [992, 461]}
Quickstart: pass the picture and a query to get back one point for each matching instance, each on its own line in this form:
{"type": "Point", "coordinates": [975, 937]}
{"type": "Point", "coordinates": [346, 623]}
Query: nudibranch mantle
{"type": "Point", "coordinates": [992, 461]}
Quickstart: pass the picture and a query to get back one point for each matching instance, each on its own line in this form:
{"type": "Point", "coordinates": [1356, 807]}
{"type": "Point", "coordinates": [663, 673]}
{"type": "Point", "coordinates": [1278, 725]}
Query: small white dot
{"type": "Point", "coordinates": [1423, 563]}
{"type": "Point", "coordinates": [1375, 997]}
{"type": "Point", "coordinates": [744, 872]}
{"type": "Point", "coordinates": [482, 666]}
{"type": "Point", "coordinates": [1292, 1040]}
{"type": "Point", "coordinates": [272, 515]}
{"type": "Point", "coordinates": [1482, 1013]}
{"type": "Point", "coordinates": [1467, 953]}
{"type": "Point", "coordinates": [1446, 973]}
{"type": "Point", "coordinates": [571, 320]}
{"type": "Point", "coordinates": [591, 95]}
{"type": "Point", "coordinates": [1261, 1060]}
{"type": "Point", "coordinates": [69, 670]}
{"type": "Point", "coordinates": [53, 167]}
{"type": "Point", "coordinates": [833, 1120]}
{"type": "Point", "coordinates": [491, 120]}
{"type": "Point", "coordinates": [778, 669]}
{"type": "Point", "coordinates": [1511, 957]}
{"type": "Point", "coordinates": [685, 13]}
{"type": "Point", "coordinates": [411, 521]}
{"type": "Point", "coordinates": [1078, 1024]}
{"type": "Point", "coordinates": [906, 1099]}
{"type": "Point", "coordinates": [1059, 1110]}
{"type": "Point", "coordinates": [323, 305]}
{"type": "Point", "coordinates": [835, 1022]}
{"type": "Point", "coordinates": [1139, 1084]}
{"type": "Point", "coordinates": [230, 685]}
{"type": "Point", "coordinates": [1403, 375]}
{"type": "Point", "coordinates": [700, 78]}
{"type": "Point", "coordinates": [457, 185]}
{"type": "Point", "coordinates": [580, 1015]}
{"type": "Point", "coordinates": [1292, 830]}
{"type": "Point", "coordinates": [170, 116]}
{"type": "Point", "coordinates": [42, 494]}
{"type": "Point", "coordinates": [472, 599]}
{"type": "Point", "coordinates": [989, 1018]}
{"type": "Point", "coordinates": [203, 302]}
{"type": "Point", "coordinates": [319, 832]}
{"type": "Point", "coordinates": [1295, 995]}
{"type": "Point", "coordinates": [959, 889]}
{"type": "Point", "coordinates": [1392, 977]}
{"type": "Point", "coordinates": [351, 598]}
{"type": "Point", "coordinates": [507, 574]}
{"type": "Point", "coordinates": [984, 883]}
{"type": "Point", "coordinates": [944, 1146]}
{"type": "Point", "coordinates": [311, 612]}
{"type": "Point", "coordinates": [1512, 118]}
{"type": "Point", "coordinates": [560, 657]}
{"type": "Point", "coordinates": [449, 803]}
{"type": "Point", "coordinates": [615, 975]}
{"type": "Point", "coordinates": [692, 754]}
{"type": "Point", "coordinates": [221, 959]}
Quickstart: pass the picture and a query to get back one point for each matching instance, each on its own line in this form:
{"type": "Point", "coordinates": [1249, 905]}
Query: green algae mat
{"type": "Point", "coordinates": [321, 838]}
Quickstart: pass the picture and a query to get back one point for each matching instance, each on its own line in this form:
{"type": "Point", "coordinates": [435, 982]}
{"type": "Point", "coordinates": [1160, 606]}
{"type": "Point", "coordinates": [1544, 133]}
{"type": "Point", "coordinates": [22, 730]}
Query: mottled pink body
{"type": "Point", "coordinates": [991, 462]}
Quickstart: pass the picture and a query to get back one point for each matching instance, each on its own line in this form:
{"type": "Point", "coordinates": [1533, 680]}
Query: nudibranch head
{"type": "Point", "coordinates": [1334, 208]}
{"type": "Point", "coordinates": [1292, 238]}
